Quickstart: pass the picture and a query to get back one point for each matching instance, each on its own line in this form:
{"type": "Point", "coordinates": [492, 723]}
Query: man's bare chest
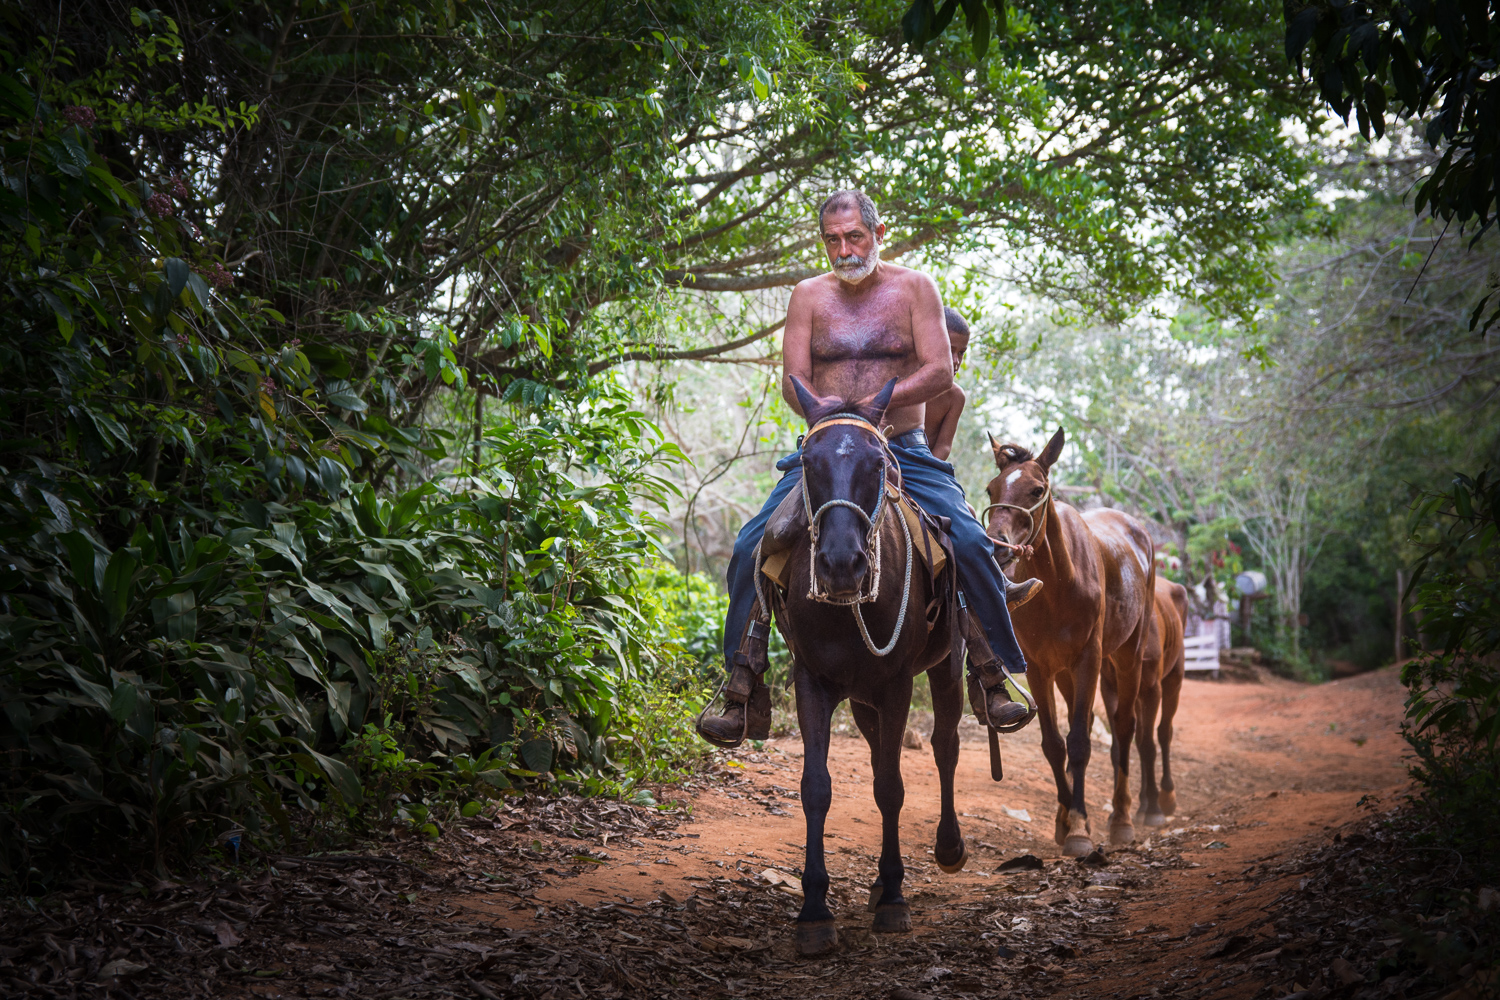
{"type": "Point", "coordinates": [862, 331]}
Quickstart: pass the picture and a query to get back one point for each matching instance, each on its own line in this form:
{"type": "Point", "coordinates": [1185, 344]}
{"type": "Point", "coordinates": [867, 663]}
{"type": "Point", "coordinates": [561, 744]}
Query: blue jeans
{"type": "Point", "coordinates": [930, 482]}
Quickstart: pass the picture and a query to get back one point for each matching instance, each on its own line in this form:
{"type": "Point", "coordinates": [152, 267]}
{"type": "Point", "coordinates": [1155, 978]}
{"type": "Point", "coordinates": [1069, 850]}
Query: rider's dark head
{"type": "Point", "coordinates": [850, 226]}
{"type": "Point", "coordinates": [958, 335]}
{"type": "Point", "coordinates": [842, 462]}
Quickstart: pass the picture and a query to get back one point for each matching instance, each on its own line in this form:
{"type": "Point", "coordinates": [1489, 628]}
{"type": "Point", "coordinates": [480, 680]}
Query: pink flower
{"type": "Point", "coordinates": [76, 114]}
{"type": "Point", "coordinates": [183, 339]}
{"type": "Point", "coordinates": [267, 386]}
{"type": "Point", "coordinates": [218, 276]}
{"type": "Point", "coordinates": [160, 205]}
{"type": "Point", "coordinates": [178, 187]}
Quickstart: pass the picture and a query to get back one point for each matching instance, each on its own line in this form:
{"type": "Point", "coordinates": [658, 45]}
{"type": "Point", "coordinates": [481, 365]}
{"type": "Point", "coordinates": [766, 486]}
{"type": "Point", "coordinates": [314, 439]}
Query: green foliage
{"type": "Point", "coordinates": [1419, 59]}
{"type": "Point", "coordinates": [210, 614]}
{"type": "Point", "coordinates": [1453, 709]}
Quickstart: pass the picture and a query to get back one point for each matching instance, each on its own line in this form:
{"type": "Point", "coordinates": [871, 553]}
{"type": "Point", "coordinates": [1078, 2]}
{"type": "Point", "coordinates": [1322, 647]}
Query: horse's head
{"type": "Point", "coordinates": [1016, 514]}
{"type": "Point", "coordinates": [843, 479]}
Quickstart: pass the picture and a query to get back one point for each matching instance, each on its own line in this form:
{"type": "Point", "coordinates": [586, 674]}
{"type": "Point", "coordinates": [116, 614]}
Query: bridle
{"type": "Point", "coordinates": [1035, 524]}
{"type": "Point", "coordinates": [870, 589]}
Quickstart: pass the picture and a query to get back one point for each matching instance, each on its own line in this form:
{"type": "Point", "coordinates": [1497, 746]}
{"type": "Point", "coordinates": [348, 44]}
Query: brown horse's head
{"type": "Point", "coordinates": [843, 462]}
{"type": "Point", "coordinates": [1017, 506]}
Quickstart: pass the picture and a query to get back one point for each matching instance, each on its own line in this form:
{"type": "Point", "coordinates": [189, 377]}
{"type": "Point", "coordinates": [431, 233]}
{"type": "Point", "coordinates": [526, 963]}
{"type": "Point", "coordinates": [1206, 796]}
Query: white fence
{"type": "Point", "coordinates": [1201, 652]}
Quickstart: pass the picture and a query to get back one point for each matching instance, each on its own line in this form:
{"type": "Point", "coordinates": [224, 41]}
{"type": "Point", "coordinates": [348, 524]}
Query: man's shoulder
{"type": "Point", "coordinates": [908, 276]}
{"type": "Point", "coordinates": [816, 287]}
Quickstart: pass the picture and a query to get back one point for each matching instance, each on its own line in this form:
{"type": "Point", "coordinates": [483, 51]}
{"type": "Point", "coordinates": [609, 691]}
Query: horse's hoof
{"type": "Point", "coordinates": [816, 937]}
{"type": "Point", "coordinates": [1168, 802]}
{"type": "Point", "coordinates": [1153, 819]}
{"type": "Point", "coordinates": [1122, 834]}
{"type": "Point", "coordinates": [957, 866]}
{"type": "Point", "coordinates": [892, 918]}
{"type": "Point", "coordinates": [876, 891]}
{"type": "Point", "coordinates": [1077, 846]}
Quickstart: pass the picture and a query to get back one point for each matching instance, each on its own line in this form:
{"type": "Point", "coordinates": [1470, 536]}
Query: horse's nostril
{"type": "Point", "coordinates": [842, 567]}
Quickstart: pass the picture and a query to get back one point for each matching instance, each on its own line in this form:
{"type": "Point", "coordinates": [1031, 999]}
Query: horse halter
{"type": "Point", "coordinates": [1034, 525]}
{"type": "Point", "coordinates": [873, 522]}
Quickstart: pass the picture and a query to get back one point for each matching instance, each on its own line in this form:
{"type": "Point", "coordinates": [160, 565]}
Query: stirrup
{"type": "Point", "coordinates": [982, 702]}
{"type": "Point", "coordinates": [718, 741]}
{"type": "Point", "coordinates": [743, 686]}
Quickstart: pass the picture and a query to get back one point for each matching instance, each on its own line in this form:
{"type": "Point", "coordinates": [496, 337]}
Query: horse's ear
{"type": "Point", "coordinates": [995, 450]}
{"type": "Point", "coordinates": [1053, 451]}
{"type": "Point", "coordinates": [814, 408]}
{"type": "Point", "coordinates": [875, 411]}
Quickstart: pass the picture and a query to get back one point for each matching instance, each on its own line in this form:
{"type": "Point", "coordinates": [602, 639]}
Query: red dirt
{"type": "Point", "coordinates": [1264, 770]}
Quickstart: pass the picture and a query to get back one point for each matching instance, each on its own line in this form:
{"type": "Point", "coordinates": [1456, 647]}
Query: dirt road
{"type": "Point", "coordinates": [1264, 771]}
{"type": "Point", "coordinates": [552, 898]}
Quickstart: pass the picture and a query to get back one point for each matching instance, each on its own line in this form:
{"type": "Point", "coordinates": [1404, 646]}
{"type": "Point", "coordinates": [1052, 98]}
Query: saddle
{"type": "Point", "coordinates": [787, 528]}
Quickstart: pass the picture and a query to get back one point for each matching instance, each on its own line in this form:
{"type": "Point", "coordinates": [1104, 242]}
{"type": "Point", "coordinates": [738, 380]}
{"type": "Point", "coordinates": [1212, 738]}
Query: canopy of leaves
{"type": "Point", "coordinates": [1429, 59]}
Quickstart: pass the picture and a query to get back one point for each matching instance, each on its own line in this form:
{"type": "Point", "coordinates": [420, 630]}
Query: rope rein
{"type": "Point", "coordinates": [873, 522]}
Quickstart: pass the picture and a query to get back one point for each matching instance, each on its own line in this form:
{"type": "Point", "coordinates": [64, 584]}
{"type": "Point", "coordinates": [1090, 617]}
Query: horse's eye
{"type": "Point", "coordinates": [1038, 492]}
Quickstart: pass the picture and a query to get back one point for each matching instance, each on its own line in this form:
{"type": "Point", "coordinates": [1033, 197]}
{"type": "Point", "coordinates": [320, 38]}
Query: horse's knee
{"type": "Point", "coordinates": [817, 793]}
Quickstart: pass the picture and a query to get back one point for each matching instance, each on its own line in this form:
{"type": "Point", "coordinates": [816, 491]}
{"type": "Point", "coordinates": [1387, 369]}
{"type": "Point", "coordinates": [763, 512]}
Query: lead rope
{"type": "Point", "coordinates": [859, 617]}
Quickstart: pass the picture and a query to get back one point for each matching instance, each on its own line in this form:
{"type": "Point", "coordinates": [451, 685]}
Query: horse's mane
{"type": "Point", "coordinates": [1014, 453]}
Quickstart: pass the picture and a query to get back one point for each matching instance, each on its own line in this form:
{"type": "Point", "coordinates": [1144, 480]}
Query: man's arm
{"type": "Point", "coordinates": [930, 335]}
{"type": "Point", "coordinates": [940, 438]}
{"type": "Point", "coordinates": [796, 346]}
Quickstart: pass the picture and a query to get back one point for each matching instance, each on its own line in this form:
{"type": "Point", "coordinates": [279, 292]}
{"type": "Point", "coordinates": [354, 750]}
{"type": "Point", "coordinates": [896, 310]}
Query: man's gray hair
{"type": "Point", "coordinates": [868, 213]}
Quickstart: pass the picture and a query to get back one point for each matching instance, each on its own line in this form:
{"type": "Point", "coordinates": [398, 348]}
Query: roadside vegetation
{"type": "Point", "coordinates": [384, 383]}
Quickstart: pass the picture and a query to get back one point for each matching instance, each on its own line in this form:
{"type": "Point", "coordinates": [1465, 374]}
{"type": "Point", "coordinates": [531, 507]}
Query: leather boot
{"type": "Point", "coordinates": [1017, 594]}
{"type": "Point", "coordinates": [747, 698]}
{"type": "Point", "coordinates": [988, 698]}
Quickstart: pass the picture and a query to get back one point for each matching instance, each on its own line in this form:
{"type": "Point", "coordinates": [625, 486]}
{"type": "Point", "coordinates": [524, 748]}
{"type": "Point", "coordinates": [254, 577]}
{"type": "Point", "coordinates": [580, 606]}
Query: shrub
{"type": "Point", "coordinates": [1453, 707]}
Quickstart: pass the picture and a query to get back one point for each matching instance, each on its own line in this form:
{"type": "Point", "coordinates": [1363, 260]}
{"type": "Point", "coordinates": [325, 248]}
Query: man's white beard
{"type": "Point", "coordinates": [850, 272]}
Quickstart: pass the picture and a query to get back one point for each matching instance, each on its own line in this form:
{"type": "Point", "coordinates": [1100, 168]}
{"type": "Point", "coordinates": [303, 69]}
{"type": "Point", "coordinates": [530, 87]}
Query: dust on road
{"type": "Point", "coordinates": [1264, 770]}
{"type": "Point", "coordinates": [553, 898]}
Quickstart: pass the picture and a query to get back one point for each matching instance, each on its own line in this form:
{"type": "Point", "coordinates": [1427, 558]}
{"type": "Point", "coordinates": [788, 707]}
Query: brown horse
{"type": "Point", "coordinates": [844, 598]}
{"type": "Point", "coordinates": [1092, 619]}
{"type": "Point", "coordinates": [1160, 687]}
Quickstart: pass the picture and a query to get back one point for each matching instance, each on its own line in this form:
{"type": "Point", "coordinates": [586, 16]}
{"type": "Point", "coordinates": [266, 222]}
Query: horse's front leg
{"type": "Point", "coordinates": [950, 851]}
{"type": "Point", "coordinates": [1073, 813]}
{"type": "Point", "coordinates": [868, 721]}
{"type": "Point", "coordinates": [892, 914]}
{"type": "Point", "coordinates": [816, 932]}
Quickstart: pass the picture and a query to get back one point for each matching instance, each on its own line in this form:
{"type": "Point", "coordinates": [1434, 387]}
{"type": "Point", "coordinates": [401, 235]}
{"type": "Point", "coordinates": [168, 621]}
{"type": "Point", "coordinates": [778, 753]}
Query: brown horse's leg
{"type": "Point", "coordinates": [949, 850]}
{"type": "Point", "coordinates": [1171, 689]}
{"type": "Point", "coordinates": [1053, 747]}
{"type": "Point", "coordinates": [868, 721]}
{"type": "Point", "coordinates": [892, 913]}
{"type": "Point", "coordinates": [1128, 681]}
{"type": "Point", "coordinates": [816, 934]}
{"type": "Point", "coordinates": [1147, 706]}
{"type": "Point", "coordinates": [1073, 816]}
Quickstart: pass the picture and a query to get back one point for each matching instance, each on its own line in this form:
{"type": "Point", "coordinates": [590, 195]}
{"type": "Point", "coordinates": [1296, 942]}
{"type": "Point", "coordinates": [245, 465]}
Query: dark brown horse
{"type": "Point", "coordinates": [1161, 686]}
{"type": "Point", "coordinates": [1091, 621]}
{"type": "Point", "coordinates": [866, 652]}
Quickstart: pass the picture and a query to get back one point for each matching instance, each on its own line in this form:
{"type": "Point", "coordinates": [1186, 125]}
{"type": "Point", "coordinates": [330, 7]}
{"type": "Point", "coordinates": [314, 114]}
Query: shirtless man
{"type": "Point", "coordinates": [943, 410]}
{"type": "Point", "coordinates": [848, 332]}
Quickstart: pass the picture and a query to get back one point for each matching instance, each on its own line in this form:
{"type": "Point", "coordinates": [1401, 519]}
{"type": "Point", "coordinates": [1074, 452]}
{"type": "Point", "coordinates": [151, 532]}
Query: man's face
{"type": "Point", "coordinates": [957, 344]}
{"type": "Point", "coordinates": [853, 250]}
